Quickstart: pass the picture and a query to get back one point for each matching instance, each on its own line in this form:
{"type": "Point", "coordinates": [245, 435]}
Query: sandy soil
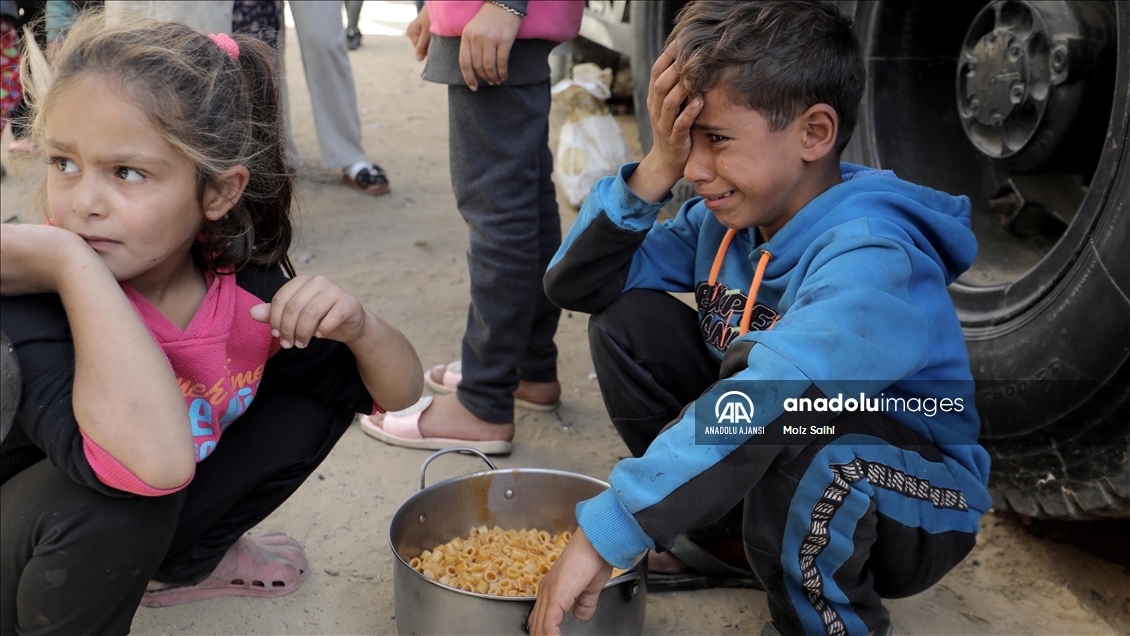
{"type": "Point", "coordinates": [403, 255]}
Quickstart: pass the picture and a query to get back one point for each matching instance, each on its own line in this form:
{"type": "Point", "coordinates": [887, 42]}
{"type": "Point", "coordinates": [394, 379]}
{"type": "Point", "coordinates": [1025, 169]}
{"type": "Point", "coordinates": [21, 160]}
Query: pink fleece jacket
{"type": "Point", "coordinates": [553, 20]}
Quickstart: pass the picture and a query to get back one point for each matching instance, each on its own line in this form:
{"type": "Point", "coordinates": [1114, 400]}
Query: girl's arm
{"type": "Point", "coordinates": [126, 398]}
{"type": "Point", "coordinates": [314, 307]}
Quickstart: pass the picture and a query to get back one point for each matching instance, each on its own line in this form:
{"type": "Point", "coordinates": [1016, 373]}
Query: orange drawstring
{"type": "Point", "coordinates": [718, 258]}
{"type": "Point", "coordinates": [747, 313]}
{"type": "Point", "coordinates": [751, 299]}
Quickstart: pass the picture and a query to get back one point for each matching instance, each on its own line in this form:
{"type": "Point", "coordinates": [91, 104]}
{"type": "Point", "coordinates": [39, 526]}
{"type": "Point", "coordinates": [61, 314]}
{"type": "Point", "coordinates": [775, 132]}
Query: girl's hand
{"type": "Point", "coordinates": [34, 258]}
{"type": "Point", "coordinates": [670, 126]}
{"type": "Point", "coordinates": [574, 582]}
{"type": "Point", "coordinates": [420, 34]}
{"type": "Point", "coordinates": [306, 308]}
{"type": "Point", "coordinates": [312, 307]}
{"type": "Point", "coordinates": [484, 49]}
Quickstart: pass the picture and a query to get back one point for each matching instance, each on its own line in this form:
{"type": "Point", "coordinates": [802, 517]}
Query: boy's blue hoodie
{"type": "Point", "coordinates": [853, 300]}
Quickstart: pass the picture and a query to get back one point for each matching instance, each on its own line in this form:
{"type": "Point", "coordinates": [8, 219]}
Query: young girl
{"type": "Point", "coordinates": [159, 284]}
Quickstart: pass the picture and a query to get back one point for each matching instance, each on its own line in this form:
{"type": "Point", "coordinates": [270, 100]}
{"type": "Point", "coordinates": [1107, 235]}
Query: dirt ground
{"type": "Point", "coordinates": [403, 255]}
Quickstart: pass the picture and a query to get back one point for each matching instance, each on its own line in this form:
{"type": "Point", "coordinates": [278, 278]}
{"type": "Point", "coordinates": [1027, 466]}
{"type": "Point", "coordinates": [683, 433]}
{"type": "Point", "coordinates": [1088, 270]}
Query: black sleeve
{"type": "Point", "coordinates": [591, 273]}
{"type": "Point", "coordinates": [325, 370]}
{"type": "Point", "coordinates": [41, 337]}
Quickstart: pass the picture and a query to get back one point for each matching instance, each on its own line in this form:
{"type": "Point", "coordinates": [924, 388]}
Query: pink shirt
{"type": "Point", "coordinates": [218, 360]}
{"type": "Point", "coordinates": [554, 20]}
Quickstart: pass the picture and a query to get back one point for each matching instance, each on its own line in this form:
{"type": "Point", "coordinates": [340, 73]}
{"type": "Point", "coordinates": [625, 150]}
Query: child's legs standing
{"type": "Point", "coordinates": [874, 515]}
{"type": "Point", "coordinates": [261, 460]}
{"type": "Point", "coordinates": [539, 362]}
{"type": "Point", "coordinates": [74, 560]}
{"type": "Point", "coordinates": [499, 171]}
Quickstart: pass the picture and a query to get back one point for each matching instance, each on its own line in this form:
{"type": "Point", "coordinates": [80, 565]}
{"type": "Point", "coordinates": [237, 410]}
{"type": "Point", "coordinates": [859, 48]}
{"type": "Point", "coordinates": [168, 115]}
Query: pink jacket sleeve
{"type": "Point", "coordinates": [111, 472]}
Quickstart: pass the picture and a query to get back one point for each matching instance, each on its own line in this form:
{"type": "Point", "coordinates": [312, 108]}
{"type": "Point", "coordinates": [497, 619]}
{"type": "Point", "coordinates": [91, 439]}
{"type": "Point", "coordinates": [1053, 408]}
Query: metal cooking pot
{"type": "Point", "coordinates": [515, 498]}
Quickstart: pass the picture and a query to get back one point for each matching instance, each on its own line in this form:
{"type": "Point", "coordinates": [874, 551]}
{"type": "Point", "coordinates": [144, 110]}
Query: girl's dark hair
{"type": "Point", "coordinates": [777, 57]}
{"type": "Point", "coordinates": [221, 113]}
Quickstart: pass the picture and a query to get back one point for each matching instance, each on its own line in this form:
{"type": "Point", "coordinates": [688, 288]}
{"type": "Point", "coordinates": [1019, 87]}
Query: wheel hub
{"type": "Point", "coordinates": [1023, 73]}
{"type": "Point", "coordinates": [1009, 66]}
{"type": "Point", "coordinates": [997, 77]}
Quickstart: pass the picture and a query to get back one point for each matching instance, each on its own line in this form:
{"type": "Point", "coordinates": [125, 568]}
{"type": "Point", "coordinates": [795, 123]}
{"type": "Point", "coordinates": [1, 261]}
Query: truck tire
{"type": "Point", "coordinates": [1046, 306]}
{"type": "Point", "coordinates": [651, 23]}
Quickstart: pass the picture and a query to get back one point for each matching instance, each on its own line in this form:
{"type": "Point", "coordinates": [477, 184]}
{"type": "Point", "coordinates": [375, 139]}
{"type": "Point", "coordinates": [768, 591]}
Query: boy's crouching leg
{"type": "Point", "coordinates": [650, 362]}
{"type": "Point", "coordinates": [854, 519]}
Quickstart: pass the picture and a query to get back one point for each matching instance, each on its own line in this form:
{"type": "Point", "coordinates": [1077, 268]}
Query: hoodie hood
{"type": "Point", "coordinates": [934, 223]}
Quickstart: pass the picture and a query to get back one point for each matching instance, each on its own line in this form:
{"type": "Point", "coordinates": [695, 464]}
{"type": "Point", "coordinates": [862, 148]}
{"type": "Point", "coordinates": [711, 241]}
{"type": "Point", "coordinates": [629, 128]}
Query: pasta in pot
{"type": "Point", "coordinates": [494, 561]}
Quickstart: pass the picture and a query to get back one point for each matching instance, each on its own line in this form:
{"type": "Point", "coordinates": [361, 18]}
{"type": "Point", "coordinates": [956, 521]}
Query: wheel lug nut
{"type": "Point", "coordinates": [1059, 58]}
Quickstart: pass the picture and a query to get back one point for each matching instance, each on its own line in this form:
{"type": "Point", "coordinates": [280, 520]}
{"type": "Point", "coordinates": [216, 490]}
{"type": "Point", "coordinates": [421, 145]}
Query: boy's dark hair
{"type": "Point", "coordinates": [777, 57]}
{"type": "Point", "coordinates": [219, 112]}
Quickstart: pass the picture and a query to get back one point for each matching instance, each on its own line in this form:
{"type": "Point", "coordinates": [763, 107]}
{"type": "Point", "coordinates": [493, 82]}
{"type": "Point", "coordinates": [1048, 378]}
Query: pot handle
{"type": "Point", "coordinates": [463, 450]}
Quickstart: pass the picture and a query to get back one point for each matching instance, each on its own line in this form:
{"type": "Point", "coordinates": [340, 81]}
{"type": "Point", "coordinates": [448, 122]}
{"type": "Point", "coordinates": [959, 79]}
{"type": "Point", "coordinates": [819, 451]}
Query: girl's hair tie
{"type": "Point", "coordinates": [224, 41]}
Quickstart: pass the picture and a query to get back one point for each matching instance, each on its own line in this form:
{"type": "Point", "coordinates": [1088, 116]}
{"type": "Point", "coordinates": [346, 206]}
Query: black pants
{"type": "Point", "coordinates": [500, 171]}
{"type": "Point", "coordinates": [651, 362]}
{"type": "Point", "coordinates": [830, 531]}
{"type": "Point", "coordinates": [75, 561]}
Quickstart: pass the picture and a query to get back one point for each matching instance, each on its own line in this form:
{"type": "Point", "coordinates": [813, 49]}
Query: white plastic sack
{"type": "Point", "coordinates": [592, 145]}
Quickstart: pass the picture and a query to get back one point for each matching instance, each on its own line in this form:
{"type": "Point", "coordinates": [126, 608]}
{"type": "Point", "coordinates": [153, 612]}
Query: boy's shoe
{"type": "Point", "coordinates": [704, 571]}
{"type": "Point", "coordinates": [884, 628]}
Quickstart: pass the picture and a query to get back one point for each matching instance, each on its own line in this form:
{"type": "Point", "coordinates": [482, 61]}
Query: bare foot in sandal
{"type": "Point", "coordinates": [444, 378]}
{"type": "Point", "coordinates": [447, 417]}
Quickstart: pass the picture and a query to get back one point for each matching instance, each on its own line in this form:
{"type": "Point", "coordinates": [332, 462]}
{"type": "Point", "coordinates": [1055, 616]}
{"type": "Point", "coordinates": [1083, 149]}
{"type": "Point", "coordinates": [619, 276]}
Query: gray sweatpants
{"type": "Point", "coordinates": [500, 172]}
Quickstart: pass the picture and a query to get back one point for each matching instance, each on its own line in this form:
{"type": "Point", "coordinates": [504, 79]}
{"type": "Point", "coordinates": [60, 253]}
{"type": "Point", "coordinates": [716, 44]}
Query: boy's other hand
{"type": "Point", "coordinates": [671, 130]}
{"type": "Point", "coordinates": [484, 49]}
{"type": "Point", "coordinates": [419, 32]}
{"type": "Point", "coordinates": [574, 582]}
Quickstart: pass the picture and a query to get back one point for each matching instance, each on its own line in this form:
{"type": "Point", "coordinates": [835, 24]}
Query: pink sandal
{"type": "Point", "coordinates": [266, 566]}
{"type": "Point", "coordinates": [402, 428]}
{"type": "Point", "coordinates": [453, 373]}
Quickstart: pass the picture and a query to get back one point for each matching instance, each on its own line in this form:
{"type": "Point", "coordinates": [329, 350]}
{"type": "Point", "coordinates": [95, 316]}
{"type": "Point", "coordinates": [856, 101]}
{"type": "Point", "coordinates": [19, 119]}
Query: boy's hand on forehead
{"type": "Point", "coordinates": [671, 118]}
{"type": "Point", "coordinates": [312, 307]}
